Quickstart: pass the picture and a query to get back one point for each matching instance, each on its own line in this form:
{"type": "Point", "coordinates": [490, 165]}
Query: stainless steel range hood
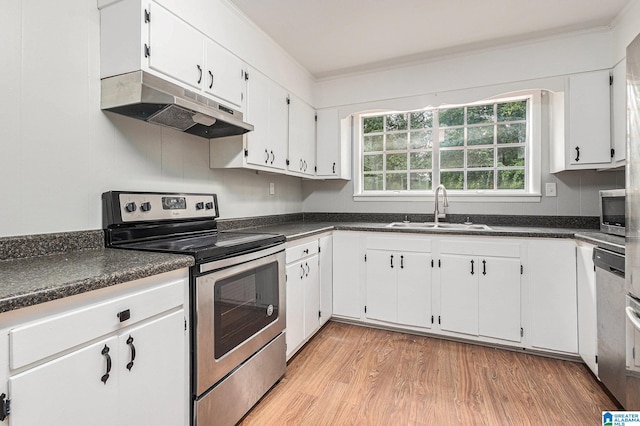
{"type": "Point", "coordinates": [149, 98]}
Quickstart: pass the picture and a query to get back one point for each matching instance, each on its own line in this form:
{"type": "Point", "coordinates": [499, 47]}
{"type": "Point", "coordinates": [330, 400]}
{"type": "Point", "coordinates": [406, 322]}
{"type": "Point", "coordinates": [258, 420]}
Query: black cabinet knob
{"type": "Point", "coordinates": [124, 315]}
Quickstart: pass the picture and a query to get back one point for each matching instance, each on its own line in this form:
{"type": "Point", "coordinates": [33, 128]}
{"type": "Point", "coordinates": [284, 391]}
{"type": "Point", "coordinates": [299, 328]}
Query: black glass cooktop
{"type": "Point", "coordinates": [209, 247]}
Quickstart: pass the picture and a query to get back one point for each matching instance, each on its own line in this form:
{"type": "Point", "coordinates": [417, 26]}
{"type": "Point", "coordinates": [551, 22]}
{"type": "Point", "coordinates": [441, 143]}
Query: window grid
{"type": "Point", "coordinates": [466, 148]}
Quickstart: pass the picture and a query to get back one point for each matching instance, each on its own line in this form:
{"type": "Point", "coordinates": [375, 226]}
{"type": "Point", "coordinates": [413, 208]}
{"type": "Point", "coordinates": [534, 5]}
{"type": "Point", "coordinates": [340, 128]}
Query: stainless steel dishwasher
{"type": "Point", "coordinates": [611, 304]}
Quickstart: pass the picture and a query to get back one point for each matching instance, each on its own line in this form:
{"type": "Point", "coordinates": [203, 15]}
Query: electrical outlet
{"type": "Point", "coordinates": [550, 189]}
{"type": "Point", "coordinates": [272, 188]}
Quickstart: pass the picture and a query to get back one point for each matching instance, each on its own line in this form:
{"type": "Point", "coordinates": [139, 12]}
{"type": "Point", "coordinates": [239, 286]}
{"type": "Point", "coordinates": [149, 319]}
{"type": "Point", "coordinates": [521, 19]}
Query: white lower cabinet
{"type": "Point", "coordinates": [347, 258]}
{"type": "Point", "coordinates": [399, 287]}
{"type": "Point", "coordinates": [552, 295]}
{"type": "Point", "coordinates": [325, 258]}
{"type": "Point", "coordinates": [83, 364]}
{"type": "Point", "coordinates": [146, 393]}
{"type": "Point", "coordinates": [398, 282]}
{"type": "Point", "coordinates": [67, 390]}
{"type": "Point", "coordinates": [458, 294]}
{"type": "Point", "coordinates": [480, 288]}
{"type": "Point", "coordinates": [587, 311]}
{"type": "Point", "coordinates": [308, 275]}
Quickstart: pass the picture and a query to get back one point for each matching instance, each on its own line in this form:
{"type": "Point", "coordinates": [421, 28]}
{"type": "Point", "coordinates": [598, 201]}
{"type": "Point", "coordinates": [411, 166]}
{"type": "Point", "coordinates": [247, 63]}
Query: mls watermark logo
{"type": "Point", "coordinates": [620, 418]}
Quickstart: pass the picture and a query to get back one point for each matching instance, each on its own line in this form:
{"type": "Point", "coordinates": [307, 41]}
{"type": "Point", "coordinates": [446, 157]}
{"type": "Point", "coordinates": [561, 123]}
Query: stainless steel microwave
{"type": "Point", "coordinates": [612, 220]}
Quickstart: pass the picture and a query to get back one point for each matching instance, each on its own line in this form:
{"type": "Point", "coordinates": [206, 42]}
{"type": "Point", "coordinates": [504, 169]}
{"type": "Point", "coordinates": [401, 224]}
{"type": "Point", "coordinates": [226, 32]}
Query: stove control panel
{"type": "Point", "coordinates": [139, 206]}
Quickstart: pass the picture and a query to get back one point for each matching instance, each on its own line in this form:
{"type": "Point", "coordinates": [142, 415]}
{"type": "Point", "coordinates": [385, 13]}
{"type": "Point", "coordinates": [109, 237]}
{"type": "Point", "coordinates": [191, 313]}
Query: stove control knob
{"type": "Point", "coordinates": [130, 207]}
{"type": "Point", "coordinates": [209, 205]}
{"type": "Point", "coordinates": [199, 206]}
{"type": "Point", "coordinates": [146, 206]}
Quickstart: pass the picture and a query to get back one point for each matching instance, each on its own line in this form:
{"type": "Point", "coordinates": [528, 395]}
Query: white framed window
{"type": "Point", "coordinates": [485, 150]}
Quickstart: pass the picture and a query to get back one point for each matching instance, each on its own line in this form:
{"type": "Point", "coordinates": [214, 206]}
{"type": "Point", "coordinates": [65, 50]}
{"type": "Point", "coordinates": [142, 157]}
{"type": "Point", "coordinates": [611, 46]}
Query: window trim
{"type": "Point", "coordinates": [532, 170]}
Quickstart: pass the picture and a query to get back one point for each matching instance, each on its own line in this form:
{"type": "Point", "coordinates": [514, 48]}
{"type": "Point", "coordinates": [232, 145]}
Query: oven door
{"type": "Point", "coordinates": [240, 307]}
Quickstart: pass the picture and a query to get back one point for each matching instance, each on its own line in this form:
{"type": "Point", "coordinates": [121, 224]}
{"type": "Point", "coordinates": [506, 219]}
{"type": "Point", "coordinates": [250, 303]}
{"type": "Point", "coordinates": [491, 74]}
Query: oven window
{"type": "Point", "coordinates": [613, 211]}
{"type": "Point", "coordinates": [243, 305]}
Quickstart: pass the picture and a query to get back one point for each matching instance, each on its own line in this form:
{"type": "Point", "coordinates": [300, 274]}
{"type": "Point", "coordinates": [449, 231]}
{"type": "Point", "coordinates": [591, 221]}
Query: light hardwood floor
{"type": "Point", "coordinates": [352, 375]}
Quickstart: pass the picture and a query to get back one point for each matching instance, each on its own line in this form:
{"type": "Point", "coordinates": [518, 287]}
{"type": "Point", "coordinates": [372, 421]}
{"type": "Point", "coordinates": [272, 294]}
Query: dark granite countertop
{"type": "Point", "coordinates": [302, 229]}
{"type": "Point", "coordinates": [28, 281]}
{"type": "Point", "coordinates": [600, 239]}
{"type": "Point", "coordinates": [39, 268]}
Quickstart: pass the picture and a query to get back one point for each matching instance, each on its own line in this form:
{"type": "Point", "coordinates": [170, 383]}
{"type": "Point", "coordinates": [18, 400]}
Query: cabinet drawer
{"type": "Point", "coordinates": [39, 339]}
{"type": "Point", "coordinates": [300, 251]}
{"type": "Point", "coordinates": [480, 248]}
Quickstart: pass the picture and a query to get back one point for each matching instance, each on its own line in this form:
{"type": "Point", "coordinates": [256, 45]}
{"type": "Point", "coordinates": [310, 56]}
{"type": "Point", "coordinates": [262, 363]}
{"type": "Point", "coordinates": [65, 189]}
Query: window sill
{"type": "Point", "coordinates": [473, 197]}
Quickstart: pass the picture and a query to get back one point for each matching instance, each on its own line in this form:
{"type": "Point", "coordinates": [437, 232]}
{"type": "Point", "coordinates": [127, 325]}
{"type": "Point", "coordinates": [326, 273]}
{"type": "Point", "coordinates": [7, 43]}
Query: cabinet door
{"type": "Point", "coordinates": [302, 137]}
{"type": "Point", "coordinates": [224, 76]}
{"type": "Point", "coordinates": [552, 295]}
{"type": "Point", "coordinates": [459, 294]}
{"type": "Point", "coordinates": [267, 110]}
{"type": "Point", "coordinates": [414, 289]}
{"type": "Point", "coordinates": [326, 278]}
{"type": "Point", "coordinates": [347, 259]}
{"type": "Point", "coordinates": [68, 391]}
{"type": "Point", "coordinates": [499, 298]}
{"type": "Point", "coordinates": [588, 330]}
{"type": "Point", "coordinates": [311, 285]}
{"type": "Point", "coordinates": [152, 383]}
{"type": "Point", "coordinates": [589, 118]}
{"type": "Point", "coordinates": [295, 306]}
{"type": "Point", "coordinates": [619, 111]}
{"type": "Point", "coordinates": [328, 142]}
{"type": "Point", "coordinates": [177, 49]}
{"type": "Point", "coordinates": [381, 285]}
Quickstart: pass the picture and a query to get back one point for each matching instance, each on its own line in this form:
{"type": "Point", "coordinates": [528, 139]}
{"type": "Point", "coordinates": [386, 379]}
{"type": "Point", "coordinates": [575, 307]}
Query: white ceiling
{"type": "Point", "coordinates": [332, 37]}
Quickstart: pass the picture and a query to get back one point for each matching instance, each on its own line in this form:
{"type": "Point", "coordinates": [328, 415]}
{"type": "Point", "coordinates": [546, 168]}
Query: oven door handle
{"type": "Point", "coordinates": [242, 258]}
{"type": "Point", "coordinates": [632, 315]}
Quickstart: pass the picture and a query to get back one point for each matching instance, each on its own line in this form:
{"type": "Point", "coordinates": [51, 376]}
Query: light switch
{"type": "Point", "coordinates": [272, 188]}
{"type": "Point", "coordinates": [550, 189]}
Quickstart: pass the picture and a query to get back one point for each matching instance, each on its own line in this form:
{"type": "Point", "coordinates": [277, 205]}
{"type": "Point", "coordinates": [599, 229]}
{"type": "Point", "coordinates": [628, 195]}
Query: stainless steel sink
{"type": "Point", "coordinates": [440, 225]}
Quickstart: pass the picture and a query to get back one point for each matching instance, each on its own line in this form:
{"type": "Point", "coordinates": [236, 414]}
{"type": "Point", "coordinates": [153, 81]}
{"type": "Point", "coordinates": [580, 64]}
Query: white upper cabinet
{"type": "Point", "coordinates": [225, 74]}
{"type": "Point", "coordinates": [175, 48]}
{"type": "Point", "coordinates": [333, 146]}
{"type": "Point", "coordinates": [268, 111]}
{"type": "Point", "coordinates": [143, 35]}
{"type": "Point", "coordinates": [302, 137]}
{"type": "Point", "coordinates": [619, 113]}
{"type": "Point", "coordinates": [581, 123]}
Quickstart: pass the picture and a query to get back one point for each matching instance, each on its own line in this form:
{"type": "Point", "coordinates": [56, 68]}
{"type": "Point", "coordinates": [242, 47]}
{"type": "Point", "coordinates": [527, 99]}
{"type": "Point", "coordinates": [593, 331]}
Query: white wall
{"type": "Point", "coordinates": [59, 151]}
{"type": "Point", "coordinates": [536, 64]}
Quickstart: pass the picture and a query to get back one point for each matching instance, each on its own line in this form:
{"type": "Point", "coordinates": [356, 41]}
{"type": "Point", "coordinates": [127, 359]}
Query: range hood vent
{"type": "Point", "coordinates": [149, 98]}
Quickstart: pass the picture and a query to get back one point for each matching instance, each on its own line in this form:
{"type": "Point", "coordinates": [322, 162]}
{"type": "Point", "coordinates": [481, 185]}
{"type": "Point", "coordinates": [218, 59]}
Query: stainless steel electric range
{"type": "Point", "coordinates": [237, 295]}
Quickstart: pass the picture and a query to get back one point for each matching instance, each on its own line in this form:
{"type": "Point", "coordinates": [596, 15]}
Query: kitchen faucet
{"type": "Point", "coordinates": [445, 203]}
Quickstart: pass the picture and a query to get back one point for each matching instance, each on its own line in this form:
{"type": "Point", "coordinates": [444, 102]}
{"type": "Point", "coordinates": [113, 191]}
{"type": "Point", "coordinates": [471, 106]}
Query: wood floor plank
{"type": "Point", "coordinates": [353, 375]}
